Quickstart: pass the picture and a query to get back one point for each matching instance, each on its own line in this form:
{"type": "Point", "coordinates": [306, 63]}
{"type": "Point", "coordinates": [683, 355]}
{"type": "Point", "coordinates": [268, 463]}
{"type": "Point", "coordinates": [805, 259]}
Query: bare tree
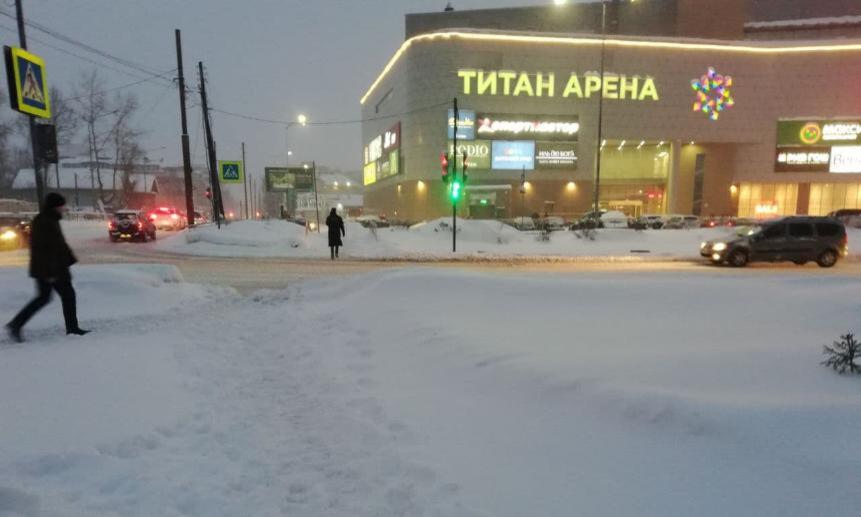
{"type": "Point", "coordinates": [65, 122]}
{"type": "Point", "coordinates": [91, 106]}
{"type": "Point", "coordinates": [124, 142]}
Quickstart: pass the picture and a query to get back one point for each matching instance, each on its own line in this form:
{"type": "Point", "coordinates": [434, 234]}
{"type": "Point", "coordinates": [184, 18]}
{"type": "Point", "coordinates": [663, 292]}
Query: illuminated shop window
{"type": "Point", "coordinates": [764, 200]}
{"type": "Point", "coordinates": [623, 160]}
{"type": "Point", "coordinates": [828, 197]}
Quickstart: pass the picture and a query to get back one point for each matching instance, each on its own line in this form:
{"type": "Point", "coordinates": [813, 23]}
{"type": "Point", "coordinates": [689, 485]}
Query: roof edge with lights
{"type": "Point", "coordinates": [732, 46]}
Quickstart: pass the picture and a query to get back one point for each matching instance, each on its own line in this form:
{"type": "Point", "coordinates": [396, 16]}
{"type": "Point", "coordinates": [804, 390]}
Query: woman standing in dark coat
{"type": "Point", "coordinates": [336, 230]}
{"type": "Point", "coordinates": [50, 260]}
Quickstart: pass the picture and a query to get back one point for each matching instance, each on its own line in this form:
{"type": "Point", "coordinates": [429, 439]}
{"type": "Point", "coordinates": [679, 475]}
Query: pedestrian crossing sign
{"type": "Point", "coordinates": [231, 172]}
{"type": "Point", "coordinates": [28, 84]}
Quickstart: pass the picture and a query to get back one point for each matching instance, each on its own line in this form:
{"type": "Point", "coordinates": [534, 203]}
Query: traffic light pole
{"type": "Point", "coordinates": [453, 186]}
{"type": "Point", "coordinates": [37, 174]}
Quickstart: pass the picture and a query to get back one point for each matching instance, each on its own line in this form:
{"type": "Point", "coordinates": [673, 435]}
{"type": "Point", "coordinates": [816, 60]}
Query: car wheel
{"type": "Point", "coordinates": [799, 262]}
{"type": "Point", "coordinates": [737, 258]}
{"type": "Point", "coordinates": [152, 236]}
{"type": "Point", "coordinates": [143, 237]}
{"type": "Point", "coordinates": [827, 258]}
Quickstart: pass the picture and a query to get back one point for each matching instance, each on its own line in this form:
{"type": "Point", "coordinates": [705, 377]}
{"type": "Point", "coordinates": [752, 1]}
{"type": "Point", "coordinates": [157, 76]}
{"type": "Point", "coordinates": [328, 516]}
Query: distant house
{"type": "Point", "coordinates": [76, 180]}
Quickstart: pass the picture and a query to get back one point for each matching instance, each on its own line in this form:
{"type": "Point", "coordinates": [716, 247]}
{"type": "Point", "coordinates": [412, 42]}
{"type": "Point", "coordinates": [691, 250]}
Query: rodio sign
{"type": "Point", "coordinates": [515, 84]}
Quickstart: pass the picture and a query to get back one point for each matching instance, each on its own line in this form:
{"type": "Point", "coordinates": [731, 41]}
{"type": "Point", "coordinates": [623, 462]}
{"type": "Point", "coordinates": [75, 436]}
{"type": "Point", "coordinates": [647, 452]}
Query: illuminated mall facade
{"type": "Point", "coordinates": [745, 125]}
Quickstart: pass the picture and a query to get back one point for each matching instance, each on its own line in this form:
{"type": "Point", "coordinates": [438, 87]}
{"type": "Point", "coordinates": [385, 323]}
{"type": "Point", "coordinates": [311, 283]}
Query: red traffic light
{"type": "Point", "coordinates": [443, 163]}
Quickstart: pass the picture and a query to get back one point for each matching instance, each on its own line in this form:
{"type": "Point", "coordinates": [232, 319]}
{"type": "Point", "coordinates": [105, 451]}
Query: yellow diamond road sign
{"type": "Point", "coordinates": [28, 83]}
{"type": "Point", "coordinates": [230, 172]}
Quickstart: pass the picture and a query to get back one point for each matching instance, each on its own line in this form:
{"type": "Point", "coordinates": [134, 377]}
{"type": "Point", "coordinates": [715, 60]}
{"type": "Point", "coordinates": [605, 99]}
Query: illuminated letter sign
{"type": "Point", "coordinates": [845, 158]}
{"type": "Point", "coordinates": [507, 155]}
{"type": "Point", "coordinates": [392, 138]}
{"type": "Point", "coordinates": [543, 84]}
{"type": "Point", "coordinates": [477, 151]}
{"type": "Point", "coordinates": [542, 127]}
{"type": "Point", "coordinates": [465, 124]}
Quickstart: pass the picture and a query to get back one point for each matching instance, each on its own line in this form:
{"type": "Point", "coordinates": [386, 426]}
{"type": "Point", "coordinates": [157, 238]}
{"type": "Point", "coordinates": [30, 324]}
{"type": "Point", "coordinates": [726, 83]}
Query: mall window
{"type": "Point", "coordinates": [765, 200]}
{"type": "Point", "coordinates": [829, 197]}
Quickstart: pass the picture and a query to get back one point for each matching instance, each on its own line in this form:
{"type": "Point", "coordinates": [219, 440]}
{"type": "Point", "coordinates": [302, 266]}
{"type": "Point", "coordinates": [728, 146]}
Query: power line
{"type": "Point", "coordinates": [122, 87]}
{"type": "Point", "coordinates": [327, 122]}
{"type": "Point", "coordinates": [89, 48]}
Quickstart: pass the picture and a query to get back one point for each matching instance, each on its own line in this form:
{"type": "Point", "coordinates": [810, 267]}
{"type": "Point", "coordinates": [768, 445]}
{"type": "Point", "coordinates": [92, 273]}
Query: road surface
{"type": "Point", "coordinates": [248, 274]}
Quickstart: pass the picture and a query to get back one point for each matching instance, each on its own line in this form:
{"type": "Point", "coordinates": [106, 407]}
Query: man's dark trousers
{"type": "Point", "coordinates": [63, 286]}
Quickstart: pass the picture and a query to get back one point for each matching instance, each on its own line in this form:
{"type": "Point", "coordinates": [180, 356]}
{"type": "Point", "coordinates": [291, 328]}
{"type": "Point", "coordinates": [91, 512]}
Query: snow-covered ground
{"type": "Point", "coordinates": [434, 392]}
{"type": "Point", "coordinates": [476, 240]}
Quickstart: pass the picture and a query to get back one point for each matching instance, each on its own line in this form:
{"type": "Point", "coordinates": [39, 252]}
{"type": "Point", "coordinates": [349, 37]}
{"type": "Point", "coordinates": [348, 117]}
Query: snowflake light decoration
{"type": "Point", "coordinates": [714, 93]}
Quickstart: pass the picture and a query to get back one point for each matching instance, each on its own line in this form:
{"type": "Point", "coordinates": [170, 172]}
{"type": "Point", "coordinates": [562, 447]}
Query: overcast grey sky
{"type": "Point", "coordinates": [269, 58]}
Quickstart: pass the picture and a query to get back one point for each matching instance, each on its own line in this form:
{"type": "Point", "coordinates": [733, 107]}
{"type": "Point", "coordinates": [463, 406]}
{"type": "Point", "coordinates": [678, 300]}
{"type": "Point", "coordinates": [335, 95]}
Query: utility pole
{"type": "Point", "coordinates": [245, 179]}
{"type": "Point", "coordinates": [40, 184]}
{"type": "Point", "coordinates": [210, 145]}
{"type": "Point", "coordinates": [316, 203]}
{"type": "Point", "coordinates": [186, 153]}
{"type": "Point", "coordinates": [454, 184]}
{"type": "Point", "coordinates": [600, 112]}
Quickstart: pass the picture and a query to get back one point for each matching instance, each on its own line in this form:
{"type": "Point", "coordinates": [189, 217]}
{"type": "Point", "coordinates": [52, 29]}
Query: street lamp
{"type": "Point", "coordinates": [301, 120]}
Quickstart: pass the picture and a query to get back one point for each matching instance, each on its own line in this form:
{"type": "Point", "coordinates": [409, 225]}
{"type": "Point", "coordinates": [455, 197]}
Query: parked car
{"type": "Point", "coordinates": [165, 218]}
{"type": "Point", "coordinates": [589, 221]}
{"type": "Point", "coordinates": [552, 223]}
{"type": "Point", "coordinates": [653, 221]}
{"type": "Point", "coordinates": [374, 221]}
{"type": "Point", "coordinates": [848, 216]}
{"type": "Point", "coordinates": [523, 223]}
{"type": "Point", "coordinates": [14, 232]}
{"type": "Point", "coordinates": [130, 225]}
{"type": "Point", "coordinates": [796, 239]}
{"type": "Point", "coordinates": [614, 219]}
{"type": "Point", "coordinates": [682, 222]}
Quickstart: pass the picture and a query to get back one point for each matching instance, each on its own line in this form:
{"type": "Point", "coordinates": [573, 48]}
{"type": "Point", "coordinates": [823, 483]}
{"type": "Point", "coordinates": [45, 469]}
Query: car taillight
{"type": "Point", "coordinates": [174, 216]}
{"type": "Point", "coordinates": [140, 225]}
{"type": "Point", "coordinates": [111, 225]}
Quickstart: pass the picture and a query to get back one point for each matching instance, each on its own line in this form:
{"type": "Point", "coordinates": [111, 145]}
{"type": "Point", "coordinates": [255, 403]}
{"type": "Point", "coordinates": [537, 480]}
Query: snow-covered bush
{"type": "Point", "coordinates": [841, 356]}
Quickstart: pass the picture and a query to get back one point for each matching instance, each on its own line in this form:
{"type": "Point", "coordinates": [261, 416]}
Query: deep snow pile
{"type": "Point", "coordinates": [432, 240]}
{"type": "Point", "coordinates": [452, 394]}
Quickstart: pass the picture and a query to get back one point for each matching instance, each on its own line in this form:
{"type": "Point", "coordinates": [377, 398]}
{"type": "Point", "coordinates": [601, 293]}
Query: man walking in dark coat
{"type": "Point", "coordinates": [336, 230]}
{"type": "Point", "coordinates": [50, 260]}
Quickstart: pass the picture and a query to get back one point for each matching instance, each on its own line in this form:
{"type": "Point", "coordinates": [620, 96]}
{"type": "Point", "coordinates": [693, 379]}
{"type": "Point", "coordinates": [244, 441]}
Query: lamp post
{"type": "Point", "coordinates": [301, 120]}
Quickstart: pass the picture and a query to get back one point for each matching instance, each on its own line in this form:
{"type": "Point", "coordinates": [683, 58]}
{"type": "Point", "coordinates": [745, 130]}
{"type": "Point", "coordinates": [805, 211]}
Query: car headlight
{"type": "Point", "coordinates": [8, 235]}
{"type": "Point", "coordinates": [703, 244]}
{"type": "Point", "coordinates": [720, 246]}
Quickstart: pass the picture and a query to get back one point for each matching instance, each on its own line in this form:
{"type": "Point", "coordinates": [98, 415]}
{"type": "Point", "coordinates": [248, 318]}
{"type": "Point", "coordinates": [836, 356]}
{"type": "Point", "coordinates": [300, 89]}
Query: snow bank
{"type": "Point", "coordinates": [477, 239]}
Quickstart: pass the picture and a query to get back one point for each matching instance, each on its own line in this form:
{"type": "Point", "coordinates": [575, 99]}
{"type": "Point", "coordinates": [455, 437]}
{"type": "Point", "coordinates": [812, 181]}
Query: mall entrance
{"type": "Point", "coordinates": [634, 176]}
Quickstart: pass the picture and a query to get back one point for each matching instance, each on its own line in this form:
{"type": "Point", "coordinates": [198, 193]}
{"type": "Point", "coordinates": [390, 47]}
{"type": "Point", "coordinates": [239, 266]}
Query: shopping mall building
{"type": "Point", "coordinates": [738, 107]}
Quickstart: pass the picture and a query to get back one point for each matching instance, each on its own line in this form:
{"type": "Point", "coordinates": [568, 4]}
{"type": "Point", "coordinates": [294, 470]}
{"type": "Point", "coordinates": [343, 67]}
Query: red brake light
{"type": "Point", "coordinates": [174, 216]}
{"type": "Point", "coordinates": [140, 225]}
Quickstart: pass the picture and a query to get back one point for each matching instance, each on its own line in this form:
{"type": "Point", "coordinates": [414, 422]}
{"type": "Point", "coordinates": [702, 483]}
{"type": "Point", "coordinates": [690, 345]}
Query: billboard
{"type": "Point", "coordinates": [390, 166]}
{"type": "Point", "coordinates": [806, 145]}
{"type": "Point", "coordinates": [369, 174]}
{"type": "Point", "coordinates": [513, 154]}
{"type": "Point", "coordinates": [465, 124]}
{"type": "Point", "coordinates": [283, 179]}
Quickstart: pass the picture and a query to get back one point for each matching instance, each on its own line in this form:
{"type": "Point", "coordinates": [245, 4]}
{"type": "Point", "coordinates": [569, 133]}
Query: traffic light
{"type": "Point", "coordinates": [455, 191]}
{"type": "Point", "coordinates": [443, 163]}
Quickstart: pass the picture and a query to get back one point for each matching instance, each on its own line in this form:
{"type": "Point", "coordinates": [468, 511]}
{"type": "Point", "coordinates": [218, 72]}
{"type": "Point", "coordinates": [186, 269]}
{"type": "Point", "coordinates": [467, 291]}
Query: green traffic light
{"type": "Point", "coordinates": [455, 190]}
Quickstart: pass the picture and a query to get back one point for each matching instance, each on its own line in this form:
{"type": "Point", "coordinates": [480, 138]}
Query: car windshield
{"type": "Point", "coordinates": [744, 231]}
{"type": "Point", "coordinates": [126, 217]}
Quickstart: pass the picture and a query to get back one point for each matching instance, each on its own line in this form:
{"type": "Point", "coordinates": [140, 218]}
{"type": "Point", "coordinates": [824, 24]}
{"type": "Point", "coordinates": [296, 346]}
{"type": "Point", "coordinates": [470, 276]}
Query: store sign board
{"type": "Point", "coordinates": [513, 155]}
{"type": "Point", "coordinates": [802, 159]}
{"type": "Point", "coordinates": [390, 166]}
{"type": "Point", "coordinates": [845, 159]}
{"type": "Point", "coordinates": [369, 173]}
{"type": "Point", "coordinates": [283, 179]}
{"type": "Point", "coordinates": [477, 154]}
{"type": "Point", "coordinates": [543, 127]}
{"type": "Point", "coordinates": [556, 155]}
{"type": "Point", "coordinates": [818, 132]}
{"type": "Point", "coordinates": [374, 149]}
{"type": "Point", "coordinates": [547, 84]}
{"type": "Point", "coordinates": [465, 124]}
{"type": "Point", "coordinates": [392, 138]}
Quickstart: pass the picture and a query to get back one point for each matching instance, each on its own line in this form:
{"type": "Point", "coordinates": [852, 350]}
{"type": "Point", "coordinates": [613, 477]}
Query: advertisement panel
{"type": "Point", "coordinates": [556, 155]}
{"type": "Point", "coordinates": [390, 166]}
{"type": "Point", "coordinates": [283, 179]}
{"type": "Point", "coordinates": [392, 138]}
{"type": "Point", "coordinates": [369, 173]}
{"type": "Point", "coordinates": [818, 146]}
{"type": "Point", "coordinates": [477, 154]}
{"type": "Point", "coordinates": [513, 154]}
{"type": "Point", "coordinates": [535, 127]}
{"type": "Point", "coordinates": [465, 124]}
{"type": "Point", "coordinates": [845, 159]}
{"type": "Point", "coordinates": [803, 159]}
